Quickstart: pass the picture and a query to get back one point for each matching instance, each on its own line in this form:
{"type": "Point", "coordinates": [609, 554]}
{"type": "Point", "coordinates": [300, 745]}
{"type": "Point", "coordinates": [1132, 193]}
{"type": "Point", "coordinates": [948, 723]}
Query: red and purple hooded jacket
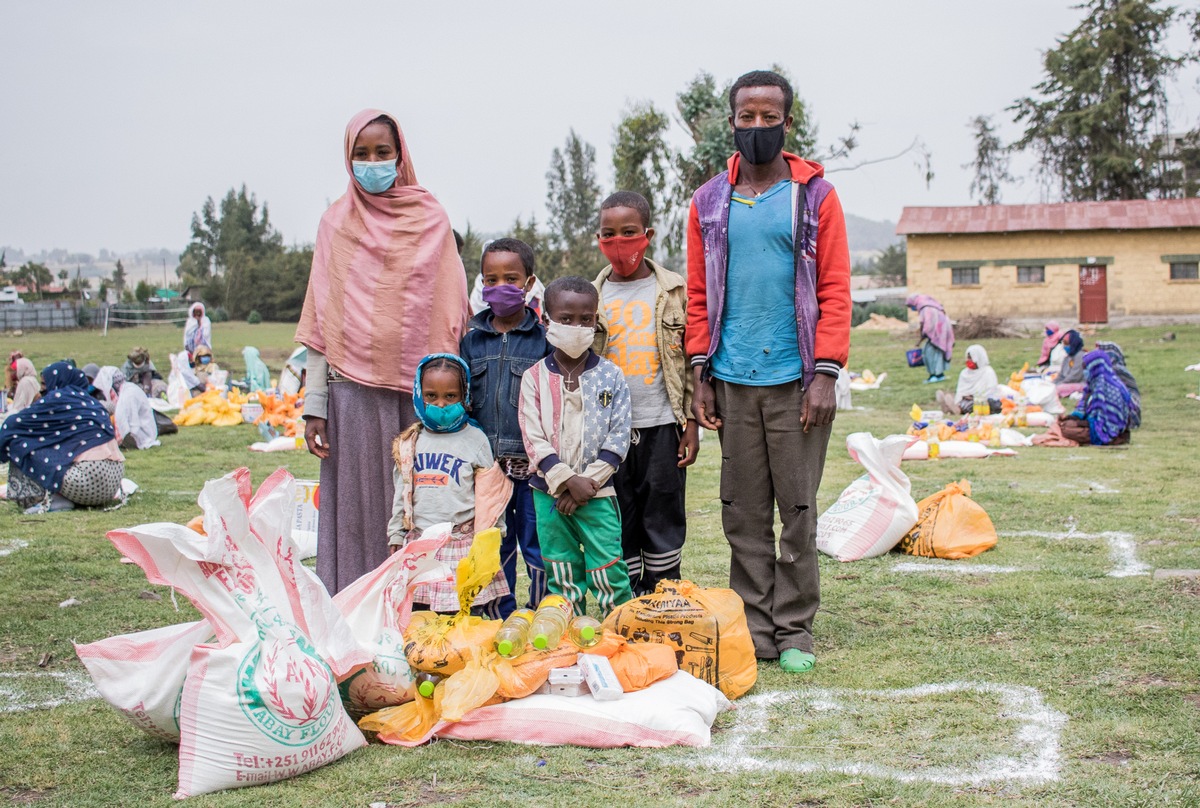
{"type": "Point", "coordinates": [822, 268]}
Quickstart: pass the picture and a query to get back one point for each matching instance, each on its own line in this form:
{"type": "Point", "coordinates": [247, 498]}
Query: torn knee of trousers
{"type": "Point", "coordinates": [727, 503]}
{"type": "Point", "coordinates": [799, 508]}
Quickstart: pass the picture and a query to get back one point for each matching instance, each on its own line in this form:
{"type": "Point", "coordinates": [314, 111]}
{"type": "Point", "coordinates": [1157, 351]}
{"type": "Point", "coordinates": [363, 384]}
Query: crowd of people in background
{"type": "Point", "coordinates": [1106, 392]}
{"type": "Point", "coordinates": [64, 430]}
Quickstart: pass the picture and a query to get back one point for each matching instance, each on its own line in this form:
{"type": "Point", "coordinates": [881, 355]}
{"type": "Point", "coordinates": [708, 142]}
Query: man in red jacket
{"type": "Point", "coordinates": [768, 327]}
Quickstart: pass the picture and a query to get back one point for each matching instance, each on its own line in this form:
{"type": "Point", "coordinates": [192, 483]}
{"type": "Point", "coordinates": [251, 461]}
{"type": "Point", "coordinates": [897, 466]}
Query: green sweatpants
{"type": "Point", "coordinates": [583, 551]}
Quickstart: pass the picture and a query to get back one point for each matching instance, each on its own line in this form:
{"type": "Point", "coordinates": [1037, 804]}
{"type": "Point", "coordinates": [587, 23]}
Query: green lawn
{"type": "Point", "coordinates": [1053, 684]}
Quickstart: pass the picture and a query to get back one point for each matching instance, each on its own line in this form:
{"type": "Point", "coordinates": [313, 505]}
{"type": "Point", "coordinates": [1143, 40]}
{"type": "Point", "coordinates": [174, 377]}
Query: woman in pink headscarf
{"type": "Point", "coordinates": [387, 288]}
{"type": "Point", "coordinates": [937, 332]}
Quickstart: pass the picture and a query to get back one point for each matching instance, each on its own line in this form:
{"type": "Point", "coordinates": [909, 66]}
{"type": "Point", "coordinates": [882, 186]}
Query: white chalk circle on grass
{"type": "Point", "coordinates": [41, 690]}
{"type": "Point", "coordinates": [1088, 488]}
{"type": "Point", "coordinates": [955, 566]}
{"type": "Point", "coordinates": [10, 546]}
{"type": "Point", "coordinates": [1031, 754]}
{"type": "Point", "coordinates": [1122, 549]}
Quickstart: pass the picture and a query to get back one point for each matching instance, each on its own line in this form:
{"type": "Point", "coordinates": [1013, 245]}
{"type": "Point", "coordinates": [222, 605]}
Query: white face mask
{"type": "Point", "coordinates": [573, 340]}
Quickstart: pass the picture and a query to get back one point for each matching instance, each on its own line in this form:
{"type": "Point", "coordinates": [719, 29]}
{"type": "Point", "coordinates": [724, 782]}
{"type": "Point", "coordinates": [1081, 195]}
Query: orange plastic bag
{"type": "Point", "coordinates": [492, 678]}
{"type": "Point", "coordinates": [522, 676]}
{"type": "Point", "coordinates": [639, 665]}
{"type": "Point", "coordinates": [705, 627]}
{"type": "Point", "coordinates": [951, 525]}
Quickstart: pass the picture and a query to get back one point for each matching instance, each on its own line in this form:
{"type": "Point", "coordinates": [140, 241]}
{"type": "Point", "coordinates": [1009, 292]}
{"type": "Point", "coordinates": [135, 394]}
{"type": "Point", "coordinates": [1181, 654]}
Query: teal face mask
{"type": "Point", "coordinates": [375, 177]}
{"type": "Point", "coordinates": [444, 419]}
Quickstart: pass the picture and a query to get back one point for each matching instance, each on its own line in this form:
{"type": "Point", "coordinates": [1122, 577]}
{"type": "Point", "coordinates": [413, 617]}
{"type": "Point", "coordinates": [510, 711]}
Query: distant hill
{"type": "Point", "coordinates": [868, 235]}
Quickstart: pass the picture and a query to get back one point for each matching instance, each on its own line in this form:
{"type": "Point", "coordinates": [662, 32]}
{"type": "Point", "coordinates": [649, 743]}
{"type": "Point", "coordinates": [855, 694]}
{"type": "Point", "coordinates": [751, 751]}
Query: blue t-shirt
{"type": "Point", "coordinates": [759, 345]}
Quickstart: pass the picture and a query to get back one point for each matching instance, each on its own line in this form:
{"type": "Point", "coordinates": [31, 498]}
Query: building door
{"type": "Point", "coordinates": [1093, 294]}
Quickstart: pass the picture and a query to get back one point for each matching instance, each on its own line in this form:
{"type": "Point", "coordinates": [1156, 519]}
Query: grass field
{"type": "Point", "coordinates": [1041, 679]}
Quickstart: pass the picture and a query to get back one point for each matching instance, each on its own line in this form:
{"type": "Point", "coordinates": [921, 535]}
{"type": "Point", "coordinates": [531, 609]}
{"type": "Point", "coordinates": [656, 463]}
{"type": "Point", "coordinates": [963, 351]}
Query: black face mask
{"type": "Point", "coordinates": [759, 144]}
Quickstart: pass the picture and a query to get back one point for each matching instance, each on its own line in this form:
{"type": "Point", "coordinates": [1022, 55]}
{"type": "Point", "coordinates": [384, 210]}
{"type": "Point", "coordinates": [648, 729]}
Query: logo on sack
{"type": "Point", "coordinates": [286, 690]}
{"type": "Point", "coordinates": [857, 494]}
{"type": "Point", "coordinates": [386, 682]}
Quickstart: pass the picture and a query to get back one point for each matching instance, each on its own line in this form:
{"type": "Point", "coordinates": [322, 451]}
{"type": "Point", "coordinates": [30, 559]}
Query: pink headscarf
{"type": "Point", "coordinates": [1050, 341]}
{"type": "Point", "coordinates": [387, 286]}
{"type": "Point", "coordinates": [935, 325]}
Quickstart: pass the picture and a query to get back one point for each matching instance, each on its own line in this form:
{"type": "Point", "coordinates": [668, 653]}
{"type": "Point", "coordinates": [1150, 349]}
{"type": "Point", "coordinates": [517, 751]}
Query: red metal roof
{"type": "Point", "coordinates": [1134, 214]}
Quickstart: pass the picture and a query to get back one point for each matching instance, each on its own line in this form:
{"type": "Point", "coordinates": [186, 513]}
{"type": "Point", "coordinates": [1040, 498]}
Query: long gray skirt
{"type": "Point", "coordinates": [356, 480]}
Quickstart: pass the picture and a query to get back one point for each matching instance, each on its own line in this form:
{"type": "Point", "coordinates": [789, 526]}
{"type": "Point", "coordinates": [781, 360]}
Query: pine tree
{"type": "Point", "coordinates": [573, 204]}
{"type": "Point", "coordinates": [1098, 119]}
{"type": "Point", "coordinates": [990, 164]}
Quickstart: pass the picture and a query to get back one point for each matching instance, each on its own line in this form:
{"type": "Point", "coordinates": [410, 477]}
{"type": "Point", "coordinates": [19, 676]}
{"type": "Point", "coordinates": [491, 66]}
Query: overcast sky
{"type": "Point", "coordinates": [117, 119]}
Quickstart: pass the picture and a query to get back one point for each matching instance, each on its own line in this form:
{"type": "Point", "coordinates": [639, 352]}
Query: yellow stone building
{"type": "Point", "coordinates": [1082, 261]}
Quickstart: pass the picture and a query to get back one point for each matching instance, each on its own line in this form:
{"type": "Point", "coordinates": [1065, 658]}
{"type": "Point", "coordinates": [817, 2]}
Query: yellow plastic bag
{"type": "Point", "coordinates": [408, 723]}
{"type": "Point", "coordinates": [471, 687]}
{"type": "Point", "coordinates": [444, 644]}
{"type": "Point", "coordinates": [705, 627]}
{"type": "Point", "coordinates": [951, 525]}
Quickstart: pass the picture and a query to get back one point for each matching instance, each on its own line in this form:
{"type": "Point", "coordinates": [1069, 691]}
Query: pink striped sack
{"type": "Point", "coordinates": [875, 511]}
{"type": "Point", "coordinates": [377, 608]}
{"type": "Point", "coordinates": [260, 702]}
{"type": "Point", "coordinates": [142, 674]}
{"type": "Point", "coordinates": [676, 711]}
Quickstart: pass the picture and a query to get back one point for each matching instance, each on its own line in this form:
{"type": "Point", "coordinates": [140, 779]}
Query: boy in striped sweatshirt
{"type": "Point", "coordinates": [575, 418]}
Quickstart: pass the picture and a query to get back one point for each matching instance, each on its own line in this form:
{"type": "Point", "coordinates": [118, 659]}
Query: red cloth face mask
{"type": "Point", "coordinates": [971, 364]}
{"type": "Point", "coordinates": [625, 253]}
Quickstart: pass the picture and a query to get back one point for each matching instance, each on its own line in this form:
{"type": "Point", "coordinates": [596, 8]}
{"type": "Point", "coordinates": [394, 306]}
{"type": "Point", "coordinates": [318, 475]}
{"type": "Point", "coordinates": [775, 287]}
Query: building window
{"type": "Point", "coordinates": [1185, 271]}
{"type": "Point", "coordinates": [1031, 274]}
{"type": "Point", "coordinates": [964, 276]}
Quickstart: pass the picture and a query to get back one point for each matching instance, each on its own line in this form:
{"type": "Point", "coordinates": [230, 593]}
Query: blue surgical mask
{"type": "Point", "coordinates": [445, 419]}
{"type": "Point", "coordinates": [204, 360]}
{"type": "Point", "coordinates": [375, 177]}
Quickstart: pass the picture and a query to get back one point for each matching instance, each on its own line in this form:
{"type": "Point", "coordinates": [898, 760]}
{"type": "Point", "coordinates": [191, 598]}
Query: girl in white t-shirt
{"type": "Point", "coordinates": [445, 472]}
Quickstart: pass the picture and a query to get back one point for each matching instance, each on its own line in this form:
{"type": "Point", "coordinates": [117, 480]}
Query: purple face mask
{"type": "Point", "coordinates": [503, 299]}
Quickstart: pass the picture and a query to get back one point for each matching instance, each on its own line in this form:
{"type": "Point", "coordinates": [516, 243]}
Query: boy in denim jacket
{"type": "Point", "coordinates": [505, 339]}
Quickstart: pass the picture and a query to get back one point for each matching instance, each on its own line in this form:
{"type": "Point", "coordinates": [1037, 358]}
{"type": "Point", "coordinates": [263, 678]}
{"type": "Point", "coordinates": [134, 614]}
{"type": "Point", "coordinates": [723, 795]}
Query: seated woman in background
{"type": "Point", "coordinates": [1104, 413]}
{"type": "Point", "coordinates": [27, 389]}
{"type": "Point", "coordinates": [977, 384]}
{"type": "Point", "coordinates": [258, 377]}
{"type": "Point", "coordinates": [132, 415]}
{"type": "Point", "coordinates": [10, 373]}
{"type": "Point", "coordinates": [139, 369]}
{"type": "Point", "coordinates": [1054, 335]}
{"type": "Point", "coordinates": [1070, 378]}
{"type": "Point", "coordinates": [205, 366]}
{"type": "Point", "coordinates": [1117, 358]}
{"type": "Point", "coordinates": [62, 444]}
